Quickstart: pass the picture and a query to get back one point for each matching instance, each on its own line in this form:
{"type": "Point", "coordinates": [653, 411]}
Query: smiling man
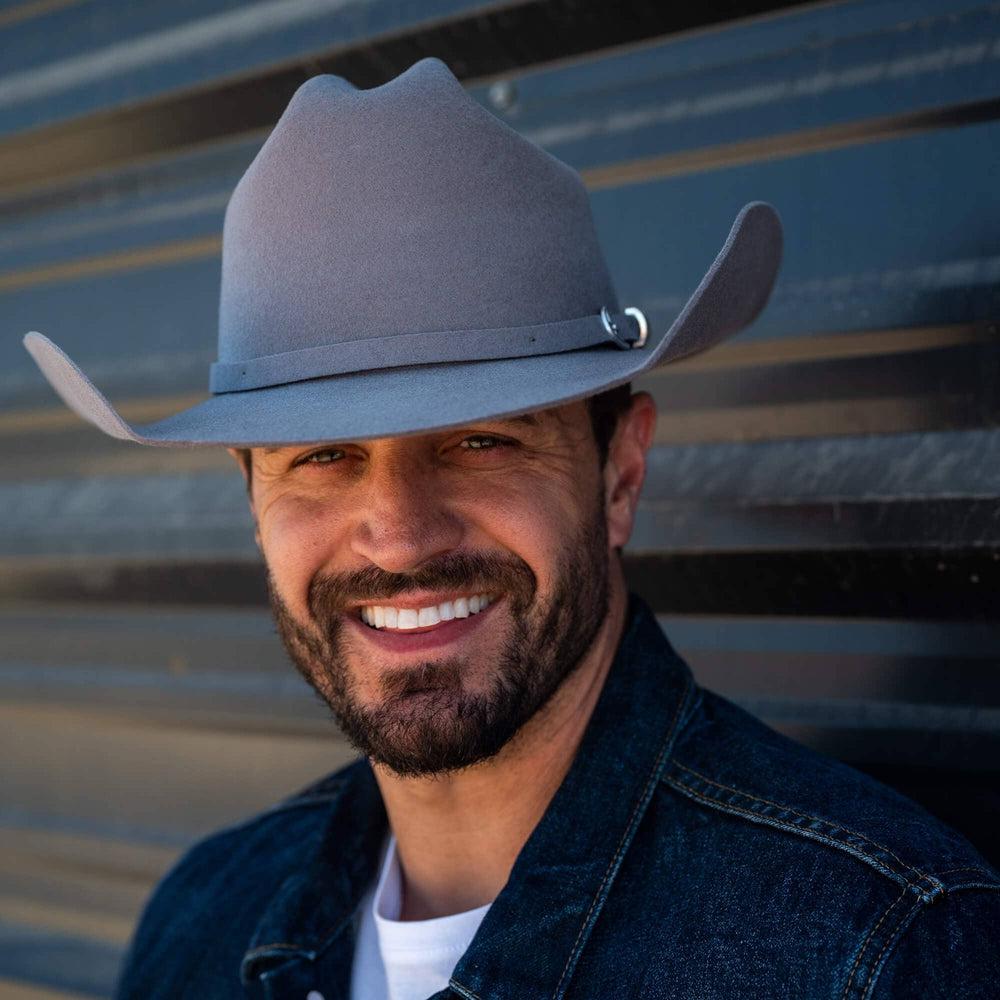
{"type": "Point", "coordinates": [438, 590]}
{"type": "Point", "coordinates": [424, 375]}
{"type": "Point", "coordinates": [451, 597]}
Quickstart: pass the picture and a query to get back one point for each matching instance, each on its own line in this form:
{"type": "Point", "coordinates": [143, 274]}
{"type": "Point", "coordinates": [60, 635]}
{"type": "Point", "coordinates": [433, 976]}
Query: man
{"type": "Point", "coordinates": [423, 371]}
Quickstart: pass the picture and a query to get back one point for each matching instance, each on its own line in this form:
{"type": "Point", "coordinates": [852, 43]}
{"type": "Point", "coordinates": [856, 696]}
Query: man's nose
{"type": "Point", "coordinates": [406, 520]}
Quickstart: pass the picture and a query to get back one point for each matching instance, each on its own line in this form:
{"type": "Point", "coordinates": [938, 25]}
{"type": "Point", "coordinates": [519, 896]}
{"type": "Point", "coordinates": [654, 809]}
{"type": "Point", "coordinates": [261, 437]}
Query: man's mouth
{"type": "Point", "coordinates": [383, 616]}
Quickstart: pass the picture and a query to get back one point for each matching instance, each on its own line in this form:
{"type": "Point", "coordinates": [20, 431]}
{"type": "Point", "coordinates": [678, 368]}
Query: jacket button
{"type": "Point", "coordinates": [314, 995]}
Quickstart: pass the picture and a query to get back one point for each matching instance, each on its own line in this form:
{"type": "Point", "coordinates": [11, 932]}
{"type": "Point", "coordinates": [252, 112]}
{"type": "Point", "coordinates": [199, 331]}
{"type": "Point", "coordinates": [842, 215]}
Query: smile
{"type": "Point", "coordinates": [380, 616]}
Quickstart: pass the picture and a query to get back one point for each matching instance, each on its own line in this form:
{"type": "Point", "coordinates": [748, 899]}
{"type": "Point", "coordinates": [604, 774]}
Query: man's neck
{"type": "Point", "coordinates": [458, 835]}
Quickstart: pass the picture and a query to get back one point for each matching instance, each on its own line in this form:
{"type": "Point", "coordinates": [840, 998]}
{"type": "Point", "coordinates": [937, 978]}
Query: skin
{"type": "Point", "coordinates": [396, 503]}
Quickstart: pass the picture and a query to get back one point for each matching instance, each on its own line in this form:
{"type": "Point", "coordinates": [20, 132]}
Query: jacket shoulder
{"type": "Point", "coordinates": [889, 902]}
{"type": "Point", "coordinates": [263, 835]}
{"type": "Point", "coordinates": [728, 761]}
{"type": "Point", "coordinates": [224, 880]}
{"type": "Point", "coordinates": [945, 951]}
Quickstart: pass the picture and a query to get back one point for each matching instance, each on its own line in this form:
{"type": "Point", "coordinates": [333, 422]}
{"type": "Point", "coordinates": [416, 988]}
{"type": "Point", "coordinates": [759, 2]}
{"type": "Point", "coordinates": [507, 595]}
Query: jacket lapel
{"type": "Point", "coordinates": [531, 939]}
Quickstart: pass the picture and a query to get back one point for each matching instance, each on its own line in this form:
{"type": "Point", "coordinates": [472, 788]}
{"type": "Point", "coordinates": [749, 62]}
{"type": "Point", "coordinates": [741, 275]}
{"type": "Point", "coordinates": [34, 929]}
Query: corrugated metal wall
{"type": "Point", "coordinates": [821, 528]}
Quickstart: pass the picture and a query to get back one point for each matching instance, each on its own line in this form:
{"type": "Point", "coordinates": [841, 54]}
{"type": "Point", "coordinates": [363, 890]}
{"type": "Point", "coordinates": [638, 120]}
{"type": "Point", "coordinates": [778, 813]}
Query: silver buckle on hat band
{"type": "Point", "coordinates": [614, 333]}
{"type": "Point", "coordinates": [640, 318]}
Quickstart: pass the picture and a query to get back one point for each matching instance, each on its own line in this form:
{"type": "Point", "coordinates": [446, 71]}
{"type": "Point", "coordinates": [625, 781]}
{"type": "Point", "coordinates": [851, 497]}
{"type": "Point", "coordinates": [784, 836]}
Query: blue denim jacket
{"type": "Point", "coordinates": [691, 852]}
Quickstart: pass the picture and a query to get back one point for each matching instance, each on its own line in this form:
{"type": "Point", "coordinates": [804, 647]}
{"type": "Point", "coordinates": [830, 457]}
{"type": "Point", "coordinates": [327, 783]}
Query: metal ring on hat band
{"type": "Point", "coordinates": [643, 325]}
{"type": "Point", "coordinates": [612, 328]}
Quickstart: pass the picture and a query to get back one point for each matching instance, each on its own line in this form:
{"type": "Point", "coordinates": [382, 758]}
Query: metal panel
{"type": "Point", "coordinates": [820, 531]}
{"type": "Point", "coordinates": [82, 57]}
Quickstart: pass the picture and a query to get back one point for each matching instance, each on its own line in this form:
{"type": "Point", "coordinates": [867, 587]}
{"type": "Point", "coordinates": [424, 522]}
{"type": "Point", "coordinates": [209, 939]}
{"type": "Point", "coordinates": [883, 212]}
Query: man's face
{"type": "Point", "coordinates": [380, 552]}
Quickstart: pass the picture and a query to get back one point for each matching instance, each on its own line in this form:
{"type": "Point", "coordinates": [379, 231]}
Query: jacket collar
{"type": "Point", "coordinates": [562, 876]}
{"type": "Point", "coordinates": [565, 871]}
{"type": "Point", "coordinates": [310, 918]}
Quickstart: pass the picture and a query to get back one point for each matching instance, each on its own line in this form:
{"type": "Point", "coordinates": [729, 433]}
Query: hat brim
{"type": "Point", "coordinates": [422, 398]}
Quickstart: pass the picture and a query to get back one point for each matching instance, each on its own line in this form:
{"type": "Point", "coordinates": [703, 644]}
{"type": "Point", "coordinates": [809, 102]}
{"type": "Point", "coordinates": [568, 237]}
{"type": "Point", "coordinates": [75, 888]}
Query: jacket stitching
{"type": "Point", "coordinates": [621, 843]}
{"type": "Point", "coordinates": [890, 939]}
{"type": "Point", "coordinates": [815, 819]}
{"type": "Point", "coordinates": [963, 886]}
{"type": "Point", "coordinates": [626, 835]}
{"type": "Point", "coordinates": [458, 988]}
{"type": "Point", "coordinates": [277, 946]}
{"type": "Point", "coordinates": [777, 824]}
{"type": "Point", "coordinates": [865, 943]}
{"type": "Point", "coordinates": [968, 868]}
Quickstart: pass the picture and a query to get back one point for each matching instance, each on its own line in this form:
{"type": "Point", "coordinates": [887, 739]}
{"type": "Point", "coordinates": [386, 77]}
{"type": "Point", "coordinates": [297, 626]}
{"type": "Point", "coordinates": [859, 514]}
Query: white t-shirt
{"type": "Point", "coordinates": [405, 959]}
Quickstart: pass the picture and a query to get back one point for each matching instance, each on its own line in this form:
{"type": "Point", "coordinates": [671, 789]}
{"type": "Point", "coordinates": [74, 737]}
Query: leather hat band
{"type": "Point", "coordinates": [627, 329]}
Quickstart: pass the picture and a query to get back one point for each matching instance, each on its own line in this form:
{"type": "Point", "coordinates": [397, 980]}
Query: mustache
{"type": "Point", "coordinates": [468, 571]}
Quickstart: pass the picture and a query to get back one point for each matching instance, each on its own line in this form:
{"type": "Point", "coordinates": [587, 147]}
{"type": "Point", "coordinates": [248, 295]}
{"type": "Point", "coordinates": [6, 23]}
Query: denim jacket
{"type": "Point", "coordinates": [691, 852]}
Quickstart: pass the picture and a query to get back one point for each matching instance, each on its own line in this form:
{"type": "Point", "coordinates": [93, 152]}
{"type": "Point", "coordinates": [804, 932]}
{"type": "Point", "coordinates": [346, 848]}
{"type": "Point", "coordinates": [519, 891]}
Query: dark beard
{"type": "Point", "coordinates": [447, 728]}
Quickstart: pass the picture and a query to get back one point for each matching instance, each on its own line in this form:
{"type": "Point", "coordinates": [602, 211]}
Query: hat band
{"type": "Point", "coordinates": [373, 353]}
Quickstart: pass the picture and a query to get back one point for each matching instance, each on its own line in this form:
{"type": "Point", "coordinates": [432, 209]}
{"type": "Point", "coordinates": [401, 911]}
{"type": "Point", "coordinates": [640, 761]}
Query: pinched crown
{"type": "Point", "coordinates": [401, 209]}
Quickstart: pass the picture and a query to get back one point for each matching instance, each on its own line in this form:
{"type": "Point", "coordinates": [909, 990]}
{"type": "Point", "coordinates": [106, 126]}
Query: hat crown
{"type": "Point", "coordinates": [401, 209]}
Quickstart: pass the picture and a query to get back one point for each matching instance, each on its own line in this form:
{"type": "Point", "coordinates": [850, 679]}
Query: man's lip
{"type": "Point", "coordinates": [415, 601]}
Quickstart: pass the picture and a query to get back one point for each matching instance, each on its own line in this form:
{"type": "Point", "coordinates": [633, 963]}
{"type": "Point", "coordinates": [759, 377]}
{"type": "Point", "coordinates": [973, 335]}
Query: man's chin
{"type": "Point", "coordinates": [426, 722]}
{"type": "Point", "coordinates": [410, 745]}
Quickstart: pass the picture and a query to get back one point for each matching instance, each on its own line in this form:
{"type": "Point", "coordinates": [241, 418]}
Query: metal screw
{"type": "Point", "coordinates": [503, 95]}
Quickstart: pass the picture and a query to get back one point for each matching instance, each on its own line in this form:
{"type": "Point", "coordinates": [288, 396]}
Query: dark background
{"type": "Point", "coordinates": [821, 528]}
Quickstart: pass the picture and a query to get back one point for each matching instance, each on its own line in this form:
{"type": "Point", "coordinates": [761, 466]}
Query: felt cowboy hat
{"type": "Point", "coordinates": [398, 260]}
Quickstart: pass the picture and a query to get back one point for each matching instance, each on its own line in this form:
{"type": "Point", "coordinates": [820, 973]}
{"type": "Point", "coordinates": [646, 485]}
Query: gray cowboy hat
{"type": "Point", "coordinates": [399, 260]}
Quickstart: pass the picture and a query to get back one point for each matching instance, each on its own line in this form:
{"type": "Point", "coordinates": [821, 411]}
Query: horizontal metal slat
{"type": "Point", "coordinates": [102, 55]}
{"type": "Point", "coordinates": [217, 668]}
{"type": "Point", "coordinates": [43, 964]}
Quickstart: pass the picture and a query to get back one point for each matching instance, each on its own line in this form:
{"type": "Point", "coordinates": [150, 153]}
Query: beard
{"type": "Point", "coordinates": [427, 721]}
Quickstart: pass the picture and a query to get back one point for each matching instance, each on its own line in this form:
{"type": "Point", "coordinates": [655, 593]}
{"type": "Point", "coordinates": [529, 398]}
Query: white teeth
{"type": "Point", "coordinates": [428, 616]}
{"type": "Point", "coordinates": [380, 616]}
{"type": "Point", "coordinates": [408, 618]}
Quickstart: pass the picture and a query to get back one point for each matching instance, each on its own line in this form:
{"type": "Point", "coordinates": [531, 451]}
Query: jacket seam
{"type": "Point", "coordinates": [627, 835]}
{"type": "Point", "coordinates": [266, 949]}
{"type": "Point", "coordinates": [864, 944]}
{"type": "Point", "coordinates": [807, 835]}
{"type": "Point", "coordinates": [902, 927]}
{"type": "Point", "coordinates": [831, 836]}
{"type": "Point", "coordinates": [965, 868]}
{"type": "Point", "coordinates": [463, 990]}
{"type": "Point", "coordinates": [796, 812]}
{"type": "Point", "coordinates": [890, 939]}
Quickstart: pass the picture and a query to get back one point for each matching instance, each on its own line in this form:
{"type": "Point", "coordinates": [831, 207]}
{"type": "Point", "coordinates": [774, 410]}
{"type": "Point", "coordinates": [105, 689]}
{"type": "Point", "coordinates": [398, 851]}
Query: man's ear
{"type": "Point", "coordinates": [625, 469]}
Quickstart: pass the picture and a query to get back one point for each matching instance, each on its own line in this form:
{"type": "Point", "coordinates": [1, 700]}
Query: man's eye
{"type": "Point", "coordinates": [482, 442]}
{"type": "Point", "coordinates": [324, 457]}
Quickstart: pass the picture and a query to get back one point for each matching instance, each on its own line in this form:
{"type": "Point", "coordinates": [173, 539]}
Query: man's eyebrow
{"type": "Point", "coordinates": [523, 418]}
